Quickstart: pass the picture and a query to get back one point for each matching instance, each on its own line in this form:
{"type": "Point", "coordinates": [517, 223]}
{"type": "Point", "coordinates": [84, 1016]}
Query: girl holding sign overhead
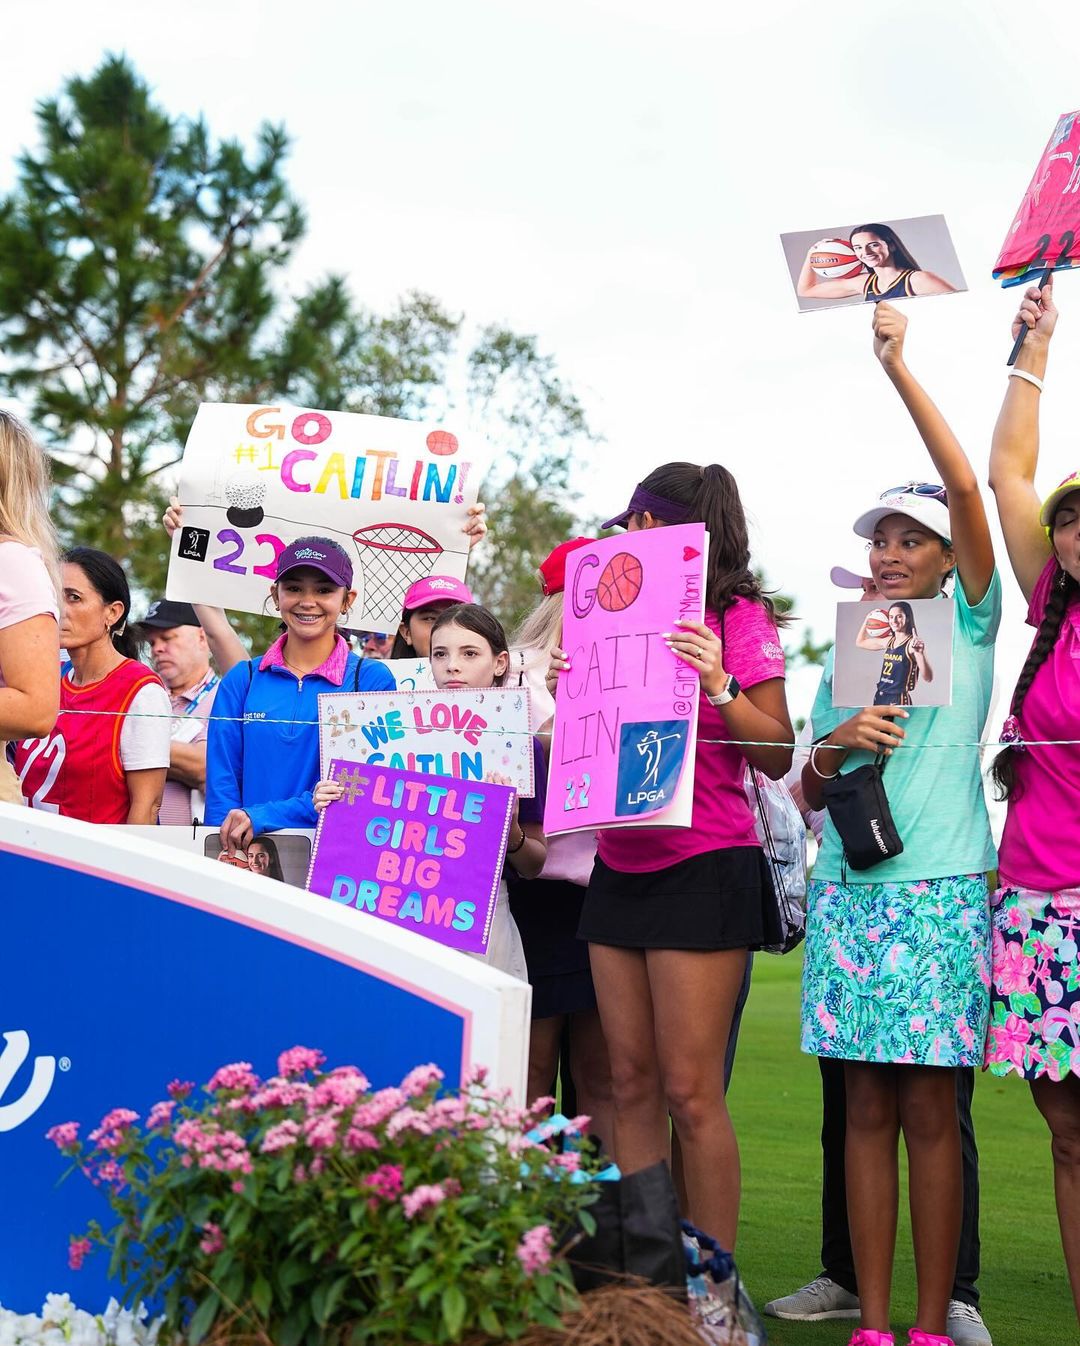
{"type": "Point", "coordinates": [670, 913]}
{"type": "Point", "coordinates": [1035, 999]}
{"type": "Point", "coordinates": [262, 757]}
{"type": "Point", "coordinates": [897, 952]}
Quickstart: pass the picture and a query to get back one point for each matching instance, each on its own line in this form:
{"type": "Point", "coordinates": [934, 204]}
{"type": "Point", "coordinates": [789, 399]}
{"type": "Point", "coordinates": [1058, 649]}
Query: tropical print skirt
{"type": "Point", "coordinates": [897, 972]}
{"type": "Point", "coordinates": [1035, 997]}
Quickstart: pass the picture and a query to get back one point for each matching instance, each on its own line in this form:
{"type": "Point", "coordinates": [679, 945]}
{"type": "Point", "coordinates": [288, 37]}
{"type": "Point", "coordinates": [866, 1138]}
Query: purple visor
{"type": "Point", "coordinates": [657, 505]}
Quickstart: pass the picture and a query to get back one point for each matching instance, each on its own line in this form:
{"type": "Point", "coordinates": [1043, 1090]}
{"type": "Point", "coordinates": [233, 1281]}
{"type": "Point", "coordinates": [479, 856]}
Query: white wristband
{"type": "Point", "coordinates": [1033, 379]}
{"type": "Point", "coordinates": [814, 766]}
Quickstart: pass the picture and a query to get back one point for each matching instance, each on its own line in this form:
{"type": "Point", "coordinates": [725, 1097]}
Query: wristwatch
{"type": "Point", "coordinates": [730, 692]}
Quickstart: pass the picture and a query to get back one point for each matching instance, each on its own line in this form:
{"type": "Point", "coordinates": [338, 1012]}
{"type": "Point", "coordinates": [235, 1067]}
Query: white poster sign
{"type": "Point", "coordinates": [412, 675]}
{"type": "Point", "coordinates": [253, 479]}
{"type": "Point", "coordinates": [459, 732]}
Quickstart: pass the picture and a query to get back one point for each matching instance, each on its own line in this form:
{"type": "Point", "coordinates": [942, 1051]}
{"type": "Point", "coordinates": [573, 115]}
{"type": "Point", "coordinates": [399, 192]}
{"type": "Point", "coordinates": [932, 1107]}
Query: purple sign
{"type": "Point", "coordinates": [422, 852]}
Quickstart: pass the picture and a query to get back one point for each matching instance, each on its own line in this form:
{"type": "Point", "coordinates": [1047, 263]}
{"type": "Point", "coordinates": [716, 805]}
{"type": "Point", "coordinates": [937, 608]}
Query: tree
{"type": "Point", "coordinates": [141, 272]}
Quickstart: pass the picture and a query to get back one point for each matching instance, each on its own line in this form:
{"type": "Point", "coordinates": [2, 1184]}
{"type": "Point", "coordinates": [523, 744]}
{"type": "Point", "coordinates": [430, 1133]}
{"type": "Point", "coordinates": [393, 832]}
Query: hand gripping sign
{"type": "Point", "coordinates": [253, 479]}
{"type": "Point", "coordinates": [622, 752]}
{"type": "Point", "coordinates": [422, 852]}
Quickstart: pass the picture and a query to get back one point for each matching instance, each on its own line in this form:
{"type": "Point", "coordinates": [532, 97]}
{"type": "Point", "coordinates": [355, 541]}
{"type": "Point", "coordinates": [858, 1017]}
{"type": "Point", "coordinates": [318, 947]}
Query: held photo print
{"type": "Point", "coordinates": [864, 262]}
{"type": "Point", "coordinates": [895, 653]}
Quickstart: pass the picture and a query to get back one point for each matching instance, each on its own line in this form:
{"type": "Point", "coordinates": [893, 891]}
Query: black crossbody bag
{"type": "Point", "coordinates": [859, 809]}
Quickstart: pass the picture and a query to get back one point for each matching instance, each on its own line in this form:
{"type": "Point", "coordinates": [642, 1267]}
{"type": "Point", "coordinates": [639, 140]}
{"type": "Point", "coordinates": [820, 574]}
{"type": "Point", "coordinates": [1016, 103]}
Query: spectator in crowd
{"type": "Point", "coordinates": [181, 659]}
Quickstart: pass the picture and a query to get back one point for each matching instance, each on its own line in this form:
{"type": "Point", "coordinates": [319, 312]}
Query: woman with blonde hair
{"type": "Point", "coordinates": [29, 587]}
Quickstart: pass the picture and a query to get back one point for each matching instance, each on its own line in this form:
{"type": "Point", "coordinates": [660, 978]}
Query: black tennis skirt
{"type": "Point", "coordinates": [718, 900]}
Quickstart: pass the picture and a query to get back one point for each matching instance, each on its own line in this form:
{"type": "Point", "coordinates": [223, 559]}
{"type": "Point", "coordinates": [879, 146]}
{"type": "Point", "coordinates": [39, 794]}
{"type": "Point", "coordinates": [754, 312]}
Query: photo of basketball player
{"type": "Point", "coordinates": [895, 653]}
{"type": "Point", "coordinates": [897, 259]}
{"type": "Point", "coordinates": [903, 654]}
{"type": "Point", "coordinates": [263, 858]}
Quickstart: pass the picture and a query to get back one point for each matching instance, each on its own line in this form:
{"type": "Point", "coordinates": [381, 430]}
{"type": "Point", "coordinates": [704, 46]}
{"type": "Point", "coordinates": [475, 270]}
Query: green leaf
{"type": "Point", "coordinates": [203, 1318]}
{"type": "Point", "coordinates": [295, 1325]}
{"type": "Point", "coordinates": [489, 1321]}
{"type": "Point", "coordinates": [453, 1311]}
{"type": "Point", "coordinates": [587, 1223]}
{"type": "Point", "coordinates": [262, 1294]}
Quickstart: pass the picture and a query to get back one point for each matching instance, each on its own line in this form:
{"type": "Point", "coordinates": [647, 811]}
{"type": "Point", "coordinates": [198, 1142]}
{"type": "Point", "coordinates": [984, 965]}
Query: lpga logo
{"type": "Point", "coordinates": [650, 761]}
{"type": "Point", "coordinates": [15, 1052]}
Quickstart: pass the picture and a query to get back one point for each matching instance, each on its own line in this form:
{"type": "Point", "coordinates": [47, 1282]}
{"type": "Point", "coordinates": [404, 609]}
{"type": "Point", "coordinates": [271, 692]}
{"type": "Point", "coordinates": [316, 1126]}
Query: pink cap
{"type": "Point", "coordinates": [435, 589]}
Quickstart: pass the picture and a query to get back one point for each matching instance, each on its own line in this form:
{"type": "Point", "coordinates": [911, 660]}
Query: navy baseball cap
{"type": "Point", "coordinates": [320, 553]}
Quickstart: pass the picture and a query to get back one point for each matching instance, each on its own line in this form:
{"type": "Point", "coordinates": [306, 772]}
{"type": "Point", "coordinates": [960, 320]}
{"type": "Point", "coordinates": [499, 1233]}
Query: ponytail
{"type": "Point", "coordinates": [1062, 589]}
{"type": "Point", "coordinates": [711, 496]}
{"type": "Point", "coordinates": [108, 579]}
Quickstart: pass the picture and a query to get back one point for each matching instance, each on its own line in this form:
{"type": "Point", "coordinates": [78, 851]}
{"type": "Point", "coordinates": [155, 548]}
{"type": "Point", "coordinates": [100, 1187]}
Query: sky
{"type": "Point", "coordinates": [613, 177]}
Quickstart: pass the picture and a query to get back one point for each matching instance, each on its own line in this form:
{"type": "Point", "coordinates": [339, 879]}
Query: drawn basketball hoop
{"type": "Point", "coordinates": [392, 556]}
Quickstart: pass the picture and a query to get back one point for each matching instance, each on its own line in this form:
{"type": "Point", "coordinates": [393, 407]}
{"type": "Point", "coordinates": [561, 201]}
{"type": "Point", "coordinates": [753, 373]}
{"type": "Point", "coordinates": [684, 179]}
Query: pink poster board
{"type": "Point", "coordinates": [622, 751]}
{"type": "Point", "coordinates": [1046, 229]}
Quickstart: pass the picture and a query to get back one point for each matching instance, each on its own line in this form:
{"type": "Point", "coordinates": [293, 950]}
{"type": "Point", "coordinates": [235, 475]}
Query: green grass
{"type": "Point", "coordinates": [776, 1102]}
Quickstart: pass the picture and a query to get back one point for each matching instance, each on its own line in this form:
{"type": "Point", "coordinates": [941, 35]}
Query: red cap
{"type": "Point", "coordinates": [553, 569]}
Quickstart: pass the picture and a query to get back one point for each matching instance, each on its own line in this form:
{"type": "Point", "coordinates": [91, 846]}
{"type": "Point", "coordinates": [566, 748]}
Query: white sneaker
{"type": "Point", "coordinates": [965, 1325]}
{"type": "Point", "coordinates": [815, 1302]}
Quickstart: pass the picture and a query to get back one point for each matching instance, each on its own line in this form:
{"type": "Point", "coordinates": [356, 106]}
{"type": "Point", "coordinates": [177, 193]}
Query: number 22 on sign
{"type": "Point", "coordinates": [227, 560]}
{"type": "Point", "coordinates": [581, 789]}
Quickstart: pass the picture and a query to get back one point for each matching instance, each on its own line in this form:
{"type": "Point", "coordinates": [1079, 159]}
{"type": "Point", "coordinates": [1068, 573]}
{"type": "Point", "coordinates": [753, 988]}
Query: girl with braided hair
{"type": "Point", "coordinates": [1035, 998]}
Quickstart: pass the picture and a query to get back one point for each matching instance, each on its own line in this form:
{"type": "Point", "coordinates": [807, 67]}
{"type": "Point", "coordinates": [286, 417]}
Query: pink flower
{"type": "Point", "coordinates": [110, 1133]}
{"type": "Point", "coordinates": [280, 1137]}
{"type": "Point", "coordinates": [378, 1107]}
{"type": "Point", "coordinates": [420, 1079]}
{"type": "Point", "coordinates": [534, 1250]}
{"type": "Point", "coordinates": [1012, 967]}
{"type": "Point", "coordinates": [238, 1187]}
{"type": "Point", "coordinates": [339, 1091]}
{"type": "Point", "coordinates": [77, 1251]}
{"type": "Point", "coordinates": [476, 1075]}
{"type": "Point", "coordinates": [299, 1174]}
{"type": "Point", "coordinates": [1008, 1040]}
{"type": "Point", "coordinates": [357, 1138]}
{"type": "Point", "coordinates": [321, 1132]}
{"type": "Point", "coordinates": [111, 1172]}
{"type": "Point", "coordinates": [179, 1089]}
{"type": "Point", "coordinates": [160, 1115]}
{"type": "Point", "coordinates": [299, 1060]}
{"type": "Point", "coordinates": [427, 1194]}
{"type": "Point", "coordinates": [213, 1240]}
{"type": "Point", "coordinates": [239, 1075]}
{"type": "Point", "coordinates": [825, 1019]}
{"type": "Point", "coordinates": [64, 1134]}
{"type": "Point", "coordinates": [386, 1181]}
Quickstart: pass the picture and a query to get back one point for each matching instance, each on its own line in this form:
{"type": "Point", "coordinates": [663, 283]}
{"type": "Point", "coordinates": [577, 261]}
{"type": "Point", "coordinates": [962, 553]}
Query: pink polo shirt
{"type": "Point", "coordinates": [721, 816]}
{"type": "Point", "coordinates": [1040, 847]}
{"type": "Point", "coordinates": [25, 587]}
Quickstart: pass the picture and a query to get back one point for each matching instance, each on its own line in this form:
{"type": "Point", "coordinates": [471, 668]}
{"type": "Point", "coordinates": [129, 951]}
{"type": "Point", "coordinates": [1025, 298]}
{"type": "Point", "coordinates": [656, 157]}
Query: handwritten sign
{"type": "Point", "coordinates": [626, 712]}
{"type": "Point", "coordinates": [424, 854]}
{"type": "Point", "coordinates": [411, 675]}
{"type": "Point", "coordinates": [457, 732]}
{"type": "Point", "coordinates": [1046, 230]}
{"type": "Point", "coordinates": [253, 479]}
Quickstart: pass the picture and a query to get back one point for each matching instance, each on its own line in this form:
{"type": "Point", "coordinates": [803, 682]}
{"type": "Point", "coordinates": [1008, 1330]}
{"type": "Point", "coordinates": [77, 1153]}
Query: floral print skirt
{"type": "Point", "coordinates": [897, 972]}
{"type": "Point", "coordinates": [1035, 998]}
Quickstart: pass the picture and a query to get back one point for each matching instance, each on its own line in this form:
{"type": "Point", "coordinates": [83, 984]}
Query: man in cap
{"type": "Point", "coordinates": [181, 658]}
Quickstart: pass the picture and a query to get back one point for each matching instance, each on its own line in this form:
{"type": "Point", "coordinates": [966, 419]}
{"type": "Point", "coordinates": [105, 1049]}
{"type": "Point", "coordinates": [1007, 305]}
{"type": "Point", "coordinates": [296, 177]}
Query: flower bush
{"type": "Point", "coordinates": [299, 1206]}
{"type": "Point", "coordinates": [60, 1323]}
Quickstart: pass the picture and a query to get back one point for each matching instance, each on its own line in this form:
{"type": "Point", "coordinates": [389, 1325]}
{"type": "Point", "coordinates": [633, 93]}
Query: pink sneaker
{"type": "Point", "coordinates": [864, 1337]}
{"type": "Point", "coordinates": [917, 1337]}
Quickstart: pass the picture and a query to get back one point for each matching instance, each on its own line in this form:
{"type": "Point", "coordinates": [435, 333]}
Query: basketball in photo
{"type": "Point", "coordinates": [834, 259]}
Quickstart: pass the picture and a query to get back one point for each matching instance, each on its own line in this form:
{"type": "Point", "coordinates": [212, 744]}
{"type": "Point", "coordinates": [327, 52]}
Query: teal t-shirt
{"type": "Point", "coordinates": [936, 794]}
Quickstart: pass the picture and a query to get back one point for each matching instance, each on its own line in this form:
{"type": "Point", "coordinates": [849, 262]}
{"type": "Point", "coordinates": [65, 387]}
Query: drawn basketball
{"type": "Point", "coordinates": [442, 443]}
{"type": "Point", "coordinates": [834, 259]}
{"type": "Point", "coordinates": [877, 624]}
{"type": "Point", "coordinates": [392, 557]}
{"type": "Point", "coordinates": [619, 583]}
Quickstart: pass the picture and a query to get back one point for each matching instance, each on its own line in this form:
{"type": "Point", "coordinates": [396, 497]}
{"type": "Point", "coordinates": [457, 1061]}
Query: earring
{"type": "Point", "coordinates": [1061, 580]}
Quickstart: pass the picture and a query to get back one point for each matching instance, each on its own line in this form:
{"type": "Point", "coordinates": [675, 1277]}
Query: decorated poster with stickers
{"type": "Point", "coordinates": [462, 731]}
{"type": "Point", "coordinates": [622, 752]}
{"type": "Point", "coordinates": [395, 494]}
{"type": "Point", "coordinates": [424, 854]}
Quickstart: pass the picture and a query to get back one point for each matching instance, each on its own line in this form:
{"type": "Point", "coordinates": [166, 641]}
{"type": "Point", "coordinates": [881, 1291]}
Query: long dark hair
{"type": "Point", "coordinates": [898, 254]}
{"type": "Point", "coordinates": [1063, 589]}
{"type": "Point", "coordinates": [269, 845]}
{"type": "Point", "coordinates": [909, 616]}
{"type": "Point", "coordinates": [712, 498]}
{"type": "Point", "coordinates": [472, 617]}
{"type": "Point", "coordinates": [108, 579]}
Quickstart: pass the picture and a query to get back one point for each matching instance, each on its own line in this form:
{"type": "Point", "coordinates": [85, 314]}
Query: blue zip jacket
{"type": "Point", "coordinates": [269, 764]}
